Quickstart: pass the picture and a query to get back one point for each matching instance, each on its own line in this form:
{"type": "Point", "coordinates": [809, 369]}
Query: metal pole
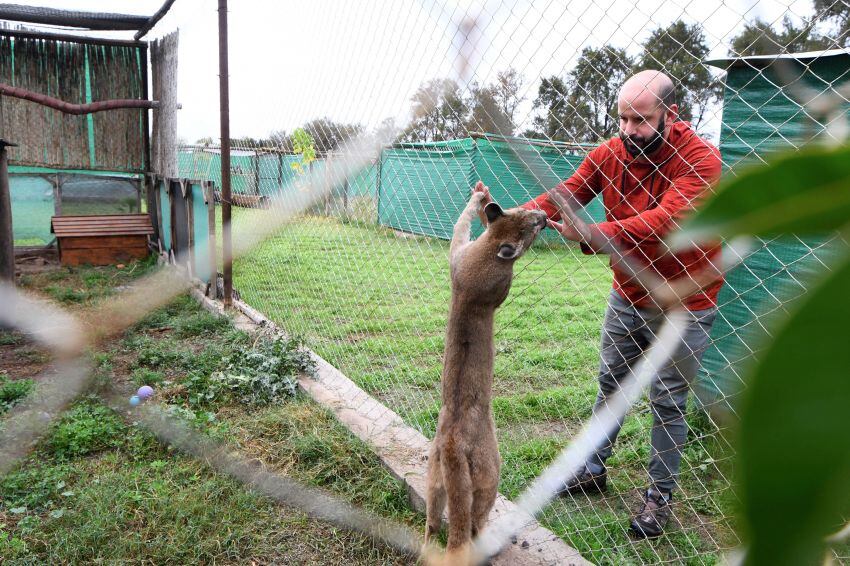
{"type": "Point", "coordinates": [7, 237]}
{"type": "Point", "coordinates": [257, 171]}
{"type": "Point", "coordinates": [146, 118]}
{"type": "Point", "coordinates": [224, 104]}
{"type": "Point", "coordinates": [7, 242]}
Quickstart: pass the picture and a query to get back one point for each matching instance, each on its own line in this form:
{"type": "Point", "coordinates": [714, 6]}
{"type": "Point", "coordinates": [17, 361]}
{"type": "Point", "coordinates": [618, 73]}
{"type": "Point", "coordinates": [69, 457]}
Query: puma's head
{"type": "Point", "coordinates": [483, 274]}
{"type": "Point", "coordinates": [513, 230]}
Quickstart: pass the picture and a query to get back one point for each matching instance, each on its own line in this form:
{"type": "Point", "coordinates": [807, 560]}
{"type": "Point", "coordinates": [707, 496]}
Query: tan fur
{"type": "Point", "coordinates": [463, 467]}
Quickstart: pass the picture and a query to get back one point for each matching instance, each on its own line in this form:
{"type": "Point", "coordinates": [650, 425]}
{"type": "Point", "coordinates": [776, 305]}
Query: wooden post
{"type": "Point", "coordinates": [7, 238]}
{"type": "Point", "coordinates": [224, 111]}
{"type": "Point", "coordinates": [150, 202]}
{"type": "Point", "coordinates": [188, 194]}
{"type": "Point", "coordinates": [345, 188]}
{"type": "Point", "coordinates": [139, 185]}
{"type": "Point", "coordinates": [279, 171]}
{"type": "Point", "coordinates": [146, 167]}
{"type": "Point", "coordinates": [57, 195]}
{"type": "Point", "coordinates": [209, 192]}
{"type": "Point", "coordinates": [256, 172]}
{"type": "Point", "coordinates": [378, 186]}
{"type": "Point", "coordinates": [326, 178]}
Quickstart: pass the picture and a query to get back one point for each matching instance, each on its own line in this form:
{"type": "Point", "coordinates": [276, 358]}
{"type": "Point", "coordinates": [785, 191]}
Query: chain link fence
{"type": "Point", "coordinates": [516, 96]}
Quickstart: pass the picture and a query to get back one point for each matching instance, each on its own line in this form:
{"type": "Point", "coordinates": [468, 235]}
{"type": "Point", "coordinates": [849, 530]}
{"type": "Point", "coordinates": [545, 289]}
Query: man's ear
{"type": "Point", "coordinates": [493, 211]}
{"type": "Point", "coordinates": [672, 113]}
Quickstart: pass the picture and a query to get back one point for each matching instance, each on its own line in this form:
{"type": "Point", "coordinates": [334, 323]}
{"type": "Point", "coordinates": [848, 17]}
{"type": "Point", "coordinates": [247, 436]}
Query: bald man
{"type": "Point", "coordinates": [650, 177]}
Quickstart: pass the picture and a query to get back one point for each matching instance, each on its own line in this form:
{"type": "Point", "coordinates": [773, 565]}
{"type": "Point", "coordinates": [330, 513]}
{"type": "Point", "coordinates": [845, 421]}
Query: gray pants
{"type": "Point", "coordinates": [626, 333]}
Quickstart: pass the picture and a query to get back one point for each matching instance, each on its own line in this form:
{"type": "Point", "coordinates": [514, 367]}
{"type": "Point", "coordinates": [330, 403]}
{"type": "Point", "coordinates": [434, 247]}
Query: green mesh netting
{"type": "Point", "coordinates": [83, 192]}
{"type": "Point", "coordinates": [760, 117]}
{"type": "Point", "coordinates": [424, 187]}
{"type": "Point", "coordinates": [416, 188]}
{"type": "Point", "coordinates": [32, 207]}
{"type": "Point", "coordinates": [422, 190]}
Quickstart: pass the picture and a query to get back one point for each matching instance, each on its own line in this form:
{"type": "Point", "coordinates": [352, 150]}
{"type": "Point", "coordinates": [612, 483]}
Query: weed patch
{"type": "Point", "coordinates": [13, 392]}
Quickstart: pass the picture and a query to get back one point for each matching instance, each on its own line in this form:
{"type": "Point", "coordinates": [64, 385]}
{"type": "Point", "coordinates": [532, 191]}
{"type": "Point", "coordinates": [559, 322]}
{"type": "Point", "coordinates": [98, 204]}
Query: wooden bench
{"type": "Point", "coordinates": [103, 239]}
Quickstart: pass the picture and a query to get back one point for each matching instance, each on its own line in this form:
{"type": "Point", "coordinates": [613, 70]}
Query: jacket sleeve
{"type": "Point", "coordinates": [583, 185]}
{"type": "Point", "coordinates": [690, 184]}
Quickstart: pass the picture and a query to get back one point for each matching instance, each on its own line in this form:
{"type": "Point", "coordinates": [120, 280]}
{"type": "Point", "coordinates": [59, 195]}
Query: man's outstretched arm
{"type": "Point", "coordinates": [583, 185]}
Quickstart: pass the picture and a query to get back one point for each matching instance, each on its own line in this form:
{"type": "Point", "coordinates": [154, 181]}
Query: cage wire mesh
{"type": "Point", "coordinates": [516, 95]}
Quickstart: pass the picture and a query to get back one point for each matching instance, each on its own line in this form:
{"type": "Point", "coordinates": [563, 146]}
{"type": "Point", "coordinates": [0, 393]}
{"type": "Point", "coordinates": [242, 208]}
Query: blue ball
{"type": "Point", "coordinates": [134, 400]}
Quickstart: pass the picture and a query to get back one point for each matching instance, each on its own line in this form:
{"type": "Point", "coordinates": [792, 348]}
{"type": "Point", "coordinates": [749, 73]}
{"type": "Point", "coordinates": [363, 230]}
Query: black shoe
{"type": "Point", "coordinates": [650, 520]}
{"type": "Point", "coordinates": [585, 482]}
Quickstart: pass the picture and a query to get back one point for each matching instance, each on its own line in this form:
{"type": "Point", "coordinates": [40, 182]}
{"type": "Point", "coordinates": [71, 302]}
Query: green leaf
{"type": "Point", "coordinates": [804, 192]}
{"type": "Point", "coordinates": [793, 446]}
{"type": "Point", "coordinates": [57, 513]}
{"type": "Point", "coordinates": [18, 510]}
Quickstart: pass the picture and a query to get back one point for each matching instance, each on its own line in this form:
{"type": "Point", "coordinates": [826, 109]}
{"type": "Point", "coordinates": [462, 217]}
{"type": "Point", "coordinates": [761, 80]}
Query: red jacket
{"type": "Point", "coordinates": [646, 200]}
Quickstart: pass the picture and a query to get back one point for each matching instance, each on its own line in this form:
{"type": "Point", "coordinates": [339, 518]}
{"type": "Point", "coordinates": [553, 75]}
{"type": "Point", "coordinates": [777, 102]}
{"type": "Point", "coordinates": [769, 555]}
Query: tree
{"type": "Point", "coordinates": [552, 110]}
{"type": "Point", "coordinates": [487, 114]}
{"type": "Point", "coordinates": [281, 140]}
{"type": "Point", "coordinates": [594, 88]}
{"type": "Point", "coordinates": [439, 112]}
{"type": "Point", "coordinates": [247, 142]}
{"type": "Point", "coordinates": [584, 107]}
{"type": "Point", "coordinates": [506, 92]}
{"type": "Point", "coordinates": [303, 145]}
{"type": "Point", "coordinates": [838, 14]}
{"type": "Point", "coordinates": [760, 38]}
{"type": "Point", "coordinates": [387, 131]}
{"type": "Point", "coordinates": [679, 50]}
{"type": "Point", "coordinates": [329, 135]}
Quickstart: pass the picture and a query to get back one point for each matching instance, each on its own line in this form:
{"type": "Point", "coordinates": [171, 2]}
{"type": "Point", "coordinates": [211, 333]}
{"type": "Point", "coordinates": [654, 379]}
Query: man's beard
{"type": "Point", "coordinates": [638, 145]}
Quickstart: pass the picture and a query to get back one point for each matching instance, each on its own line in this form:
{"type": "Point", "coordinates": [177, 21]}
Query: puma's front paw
{"type": "Point", "coordinates": [477, 197]}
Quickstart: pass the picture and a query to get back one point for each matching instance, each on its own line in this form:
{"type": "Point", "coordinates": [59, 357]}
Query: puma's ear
{"type": "Point", "coordinates": [493, 211]}
{"type": "Point", "coordinates": [507, 251]}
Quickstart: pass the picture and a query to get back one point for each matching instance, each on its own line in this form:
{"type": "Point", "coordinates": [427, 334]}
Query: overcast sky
{"type": "Point", "coordinates": [361, 61]}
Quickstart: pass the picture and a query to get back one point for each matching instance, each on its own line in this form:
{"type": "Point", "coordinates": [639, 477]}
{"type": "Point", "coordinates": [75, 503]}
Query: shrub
{"type": "Point", "coordinates": [266, 373]}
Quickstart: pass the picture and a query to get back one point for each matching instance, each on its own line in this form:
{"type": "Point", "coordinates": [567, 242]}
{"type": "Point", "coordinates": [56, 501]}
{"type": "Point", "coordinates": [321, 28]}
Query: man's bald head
{"type": "Point", "coordinates": [648, 88]}
{"type": "Point", "coordinates": [647, 103]}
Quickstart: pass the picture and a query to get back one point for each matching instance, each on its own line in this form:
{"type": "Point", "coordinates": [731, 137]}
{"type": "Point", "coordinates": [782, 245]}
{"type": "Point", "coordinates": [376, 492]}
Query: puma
{"type": "Point", "coordinates": [463, 467]}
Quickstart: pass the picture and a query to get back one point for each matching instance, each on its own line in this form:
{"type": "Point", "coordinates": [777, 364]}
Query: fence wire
{"type": "Point", "coordinates": [363, 277]}
{"type": "Point", "coordinates": [420, 100]}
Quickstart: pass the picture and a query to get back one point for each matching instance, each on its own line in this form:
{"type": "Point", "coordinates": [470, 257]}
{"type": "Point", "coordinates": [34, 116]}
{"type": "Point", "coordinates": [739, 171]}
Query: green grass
{"type": "Point", "coordinates": [157, 507]}
{"type": "Point", "coordinates": [8, 338]}
{"type": "Point", "coordinates": [12, 392]}
{"type": "Point", "coordinates": [313, 447]}
{"type": "Point", "coordinates": [101, 489]}
{"type": "Point", "coordinates": [375, 305]}
{"type": "Point", "coordinates": [83, 286]}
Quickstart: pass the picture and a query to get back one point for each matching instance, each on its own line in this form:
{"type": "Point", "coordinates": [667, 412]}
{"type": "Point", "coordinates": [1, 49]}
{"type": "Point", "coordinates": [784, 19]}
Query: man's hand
{"type": "Point", "coordinates": [571, 226]}
{"type": "Point", "coordinates": [577, 230]}
{"type": "Point", "coordinates": [567, 230]}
